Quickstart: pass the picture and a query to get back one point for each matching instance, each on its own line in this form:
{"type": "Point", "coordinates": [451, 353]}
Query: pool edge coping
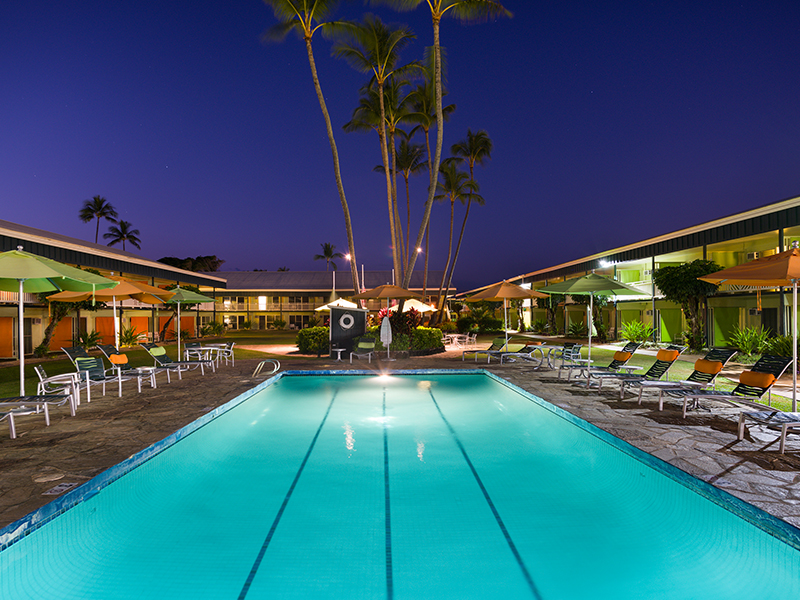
{"type": "Point", "coordinates": [757, 517]}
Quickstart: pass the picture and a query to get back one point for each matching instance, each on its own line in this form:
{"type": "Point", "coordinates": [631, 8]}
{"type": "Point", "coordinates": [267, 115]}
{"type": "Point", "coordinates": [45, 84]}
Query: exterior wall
{"type": "Point", "coordinates": [7, 337]}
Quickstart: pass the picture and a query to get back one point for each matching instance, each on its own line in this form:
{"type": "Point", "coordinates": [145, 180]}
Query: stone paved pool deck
{"type": "Point", "coordinates": [110, 429]}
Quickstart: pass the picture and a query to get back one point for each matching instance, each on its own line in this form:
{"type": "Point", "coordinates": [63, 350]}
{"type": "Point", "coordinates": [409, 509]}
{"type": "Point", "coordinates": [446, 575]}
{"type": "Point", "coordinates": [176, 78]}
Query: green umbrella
{"type": "Point", "coordinates": [590, 285]}
{"type": "Point", "coordinates": [184, 296]}
{"type": "Point", "coordinates": [23, 272]}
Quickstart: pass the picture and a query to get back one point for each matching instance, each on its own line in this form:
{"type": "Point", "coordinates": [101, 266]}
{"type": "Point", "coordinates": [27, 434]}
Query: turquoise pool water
{"type": "Point", "coordinates": [409, 487]}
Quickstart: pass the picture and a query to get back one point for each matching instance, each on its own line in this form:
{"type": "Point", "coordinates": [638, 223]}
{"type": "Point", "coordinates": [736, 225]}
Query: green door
{"type": "Point", "coordinates": [670, 322]}
{"type": "Point", "coordinates": [725, 320]}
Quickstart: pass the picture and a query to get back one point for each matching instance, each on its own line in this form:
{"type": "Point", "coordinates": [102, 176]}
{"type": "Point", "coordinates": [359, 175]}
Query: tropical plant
{"type": "Point", "coordinates": [97, 208]}
{"type": "Point", "coordinates": [410, 160]}
{"type": "Point", "coordinates": [87, 340]}
{"type": "Point", "coordinates": [374, 47]}
{"type": "Point", "coordinates": [465, 10]}
{"type": "Point", "coordinates": [680, 284]}
{"type": "Point", "coordinates": [749, 340]}
{"type": "Point", "coordinates": [550, 305]}
{"type": "Point", "coordinates": [328, 255]}
{"type": "Point", "coordinates": [128, 336]}
{"type": "Point", "coordinates": [540, 327]}
{"type": "Point", "coordinates": [279, 324]}
{"type": "Point", "coordinates": [306, 17]}
{"type": "Point", "coordinates": [636, 331]}
{"type": "Point", "coordinates": [212, 329]}
{"type": "Point", "coordinates": [455, 186]}
{"type": "Point", "coordinates": [780, 345]}
{"type": "Point", "coordinates": [123, 233]}
{"type": "Point", "coordinates": [206, 264]}
{"type": "Point", "coordinates": [578, 329]}
{"type": "Point", "coordinates": [404, 322]}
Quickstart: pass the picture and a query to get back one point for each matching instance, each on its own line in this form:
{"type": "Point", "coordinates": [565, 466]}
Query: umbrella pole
{"type": "Point", "coordinates": [116, 323]}
{"type": "Point", "coordinates": [794, 345]}
{"type": "Point", "coordinates": [505, 319]}
{"type": "Point", "coordinates": [589, 320]}
{"type": "Point", "coordinates": [178, 329]}
{"type": "Point", "coordinates": [21, 341]}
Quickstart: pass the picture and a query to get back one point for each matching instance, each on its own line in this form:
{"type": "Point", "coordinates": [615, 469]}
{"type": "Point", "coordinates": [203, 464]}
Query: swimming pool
{"type": "Point", "coordinates": [445, 485]}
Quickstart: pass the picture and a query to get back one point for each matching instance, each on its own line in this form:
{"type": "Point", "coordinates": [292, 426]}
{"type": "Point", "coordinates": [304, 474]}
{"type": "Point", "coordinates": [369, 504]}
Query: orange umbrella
{"type": "Point", "coordinates": [387, 291]}
{"type": "Point", "coordinates": [505, 291]}
{"type": "Point", "coordinates": [778, 270]}
{"type": "Point", "coordinates": [125, 289]}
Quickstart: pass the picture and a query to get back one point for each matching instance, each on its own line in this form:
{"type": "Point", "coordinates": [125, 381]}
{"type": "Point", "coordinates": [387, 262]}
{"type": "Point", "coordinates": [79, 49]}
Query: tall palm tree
{"type": "Point", "coordinates": [410, 161]}
{"type": "Point", "coordinates": [454, 186]}
{"type": "Point", "coordinates": [97, 208]}
{"type": "Point", "coordinates": [328, 255]}
{"type": "Point", "coordinates": [466, 10]}
{"type": "Point", "coordinates": [476, 149]}
{"type": "Point", "coordinates": [123, 233]}
{"type": "Point", "coordinates": [374, 47]}
{"type": "Point", "coordinates": [306, 17]}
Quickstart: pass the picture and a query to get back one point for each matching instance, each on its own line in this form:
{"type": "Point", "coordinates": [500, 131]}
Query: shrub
{"type": "Point", "coordinates": [578, 330]}
{"type": "Point", "coordinates": [87, 340]}
{"type": "Point", "coordinates": [465, 324]}
{"type": "Point", "coordinates": [751, 340]}
{"type": "Point", "coordinates": [490, 325]}
{"type": "Point", "coordinates": [779, 346]}
{"type": "Point", "coordinates": [245, 325]}
{"type": "Point", "coordinates": [540, 327]}
{"type": "Point", "coordinates": [128, 336]}
{"type": "Point", "coordinates": [448, 327]}
{"type": "Point", "coordinates": [313, 340]}
{"type": "Point", "coordinates": [636, 331]}
{"type": "Point", "coordinates": [212, 328]}
{"type": "Point", "coordinates": [426, 338]}
{"type": "Point", "coordinates": [279, 324]}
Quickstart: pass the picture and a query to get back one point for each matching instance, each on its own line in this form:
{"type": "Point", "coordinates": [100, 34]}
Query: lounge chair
{"type": "Point", "coordinates": [498, 345]}
{"type": "Point", "coordinates": [785, 422]}
{"type": "Point", "coordinates": [665, 358]}
{"type": "Point", "coordinates": [11, 408]}
{"type": "Point", "coordinates": [526, 353]}
{"type": "Point", "coordinates": [364, 349]}
{"type": "Point", "coordinates": [66, 383]}
{"type": "Point", "coordinates": [159, 354]}
{"type": "Point", "coordinates": [119, 363]}
{"type": "Point", "coordinates": [226, 353]}
{"type": "Point", "coordinates": [90, 369]}
{"type": "Point", "coordinates": [620, 358]}
{"type": "Point", "coordinates": [753, 384]}
{"type": "Point", "coordinates": [705, 373]}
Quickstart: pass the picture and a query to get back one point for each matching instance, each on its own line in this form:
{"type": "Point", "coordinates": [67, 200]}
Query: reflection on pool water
{"type": "Point", "coordinates": [427, 485]}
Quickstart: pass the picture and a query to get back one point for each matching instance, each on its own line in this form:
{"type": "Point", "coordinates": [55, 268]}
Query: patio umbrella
{"type": "Point", "coordinates": [23, 272]}
{"type": "Point", "coordinates": [590, 285]}
{"type": "Point", "coordinates": [184, 296]}
{"type": "Point", "coordinates": [387, 291]}
{"type": "Point", "coordinates": [126, 289]}
{"type": "Point", "coordinates": [418, 306]}
{"type": "Point", "coordinates": [778, 270]}
{"type": "Point", "coordinates": [505, 291]}
{"type": "Point", "coordinates": [340, 303]}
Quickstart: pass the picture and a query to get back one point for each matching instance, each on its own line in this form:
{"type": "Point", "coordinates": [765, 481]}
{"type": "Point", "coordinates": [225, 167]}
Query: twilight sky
{"type": "Point", "coordinates": [611, 121]}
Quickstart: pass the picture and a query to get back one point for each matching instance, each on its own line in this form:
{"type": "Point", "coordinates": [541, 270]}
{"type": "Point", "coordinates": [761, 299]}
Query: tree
{"type": "Point", "coordinates": [679, 284]}
{"type": "Point", "coordinates": [374, 47]}
{"type": "Point", "coordinates": [123, 233]}
{"type": "Point", "coordinates": [466, 10]}
{"type": "Point", "coordinates": [328, 255]}
{"type": "Point", "coordinates": [455, 185]}
{"type": "Point", "coordinates": [207, 264]}
{"type": "Point", "coordinates": [283, 269]}
{"type": "Point", "coordinates": [97, 208]}
{"type": "Point", "coordinates": [475, 149]}
{"type": "Point", "coordinates": [410, 161]}
{"type": "Point", "coordinates": [301, 16]}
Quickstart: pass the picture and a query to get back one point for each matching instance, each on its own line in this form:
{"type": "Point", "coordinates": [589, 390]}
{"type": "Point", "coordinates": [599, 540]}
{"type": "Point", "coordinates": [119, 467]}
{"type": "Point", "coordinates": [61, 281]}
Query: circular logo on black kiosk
{"type": "Point", "coordinates": [347, 321]}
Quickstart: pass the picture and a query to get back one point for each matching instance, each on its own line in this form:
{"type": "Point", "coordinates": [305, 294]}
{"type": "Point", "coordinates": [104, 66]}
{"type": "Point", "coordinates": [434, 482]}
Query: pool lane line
{"type": "Point", "coordinates": [260, 557]}
{"type": "Point", "coordinates": [512, 546]}
{"type": "Point", "coordinates": [387, 504]}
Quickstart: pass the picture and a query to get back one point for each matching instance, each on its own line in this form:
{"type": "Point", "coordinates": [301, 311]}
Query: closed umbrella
{"type": "Point", "coordinates": [24, 272]}
{"type": "Point", "coordinates": [124, 290]}
{"type": "Point", "coordinates": [183, 296]}
{"type": "Point", "coordinates": [590, 285]}
{"type": "Point", "coordinates": [386, 335]}
{"type": "Point", "coordinates": [505, 291]}
{"type": "Point", "coordinates": [778, 270]}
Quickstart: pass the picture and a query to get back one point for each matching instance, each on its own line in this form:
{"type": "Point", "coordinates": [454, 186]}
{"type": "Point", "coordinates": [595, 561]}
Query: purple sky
{"type": "Point", "coordinates": [611, 122]}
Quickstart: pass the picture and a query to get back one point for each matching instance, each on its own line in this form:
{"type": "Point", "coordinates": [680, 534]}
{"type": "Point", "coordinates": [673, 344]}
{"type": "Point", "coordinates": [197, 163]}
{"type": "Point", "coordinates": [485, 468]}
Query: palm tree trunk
{"type": "Point", "coordinates": [408, 219]}
{"type": "Point", "coordinates": [458, 248]}
{"type": "Point", "coordinates": [437, 70]}
{"type": "Point", "coordinates": [97, 231]}
{"type": "Point", "coordinates": [336, 170]}
{"type": "Point", "coordinates": [428, 224]}
{"type": "Point", "coordinates": [398, 224]}
{"type": "Point", "coordinates": [447, 265]}
{"type": "Point", "coordinates": [385, 158]}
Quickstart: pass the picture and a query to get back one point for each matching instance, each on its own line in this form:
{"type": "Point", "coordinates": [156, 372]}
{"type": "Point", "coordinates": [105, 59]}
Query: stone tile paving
{"type": "Point", "coordinates": [110, 429]}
